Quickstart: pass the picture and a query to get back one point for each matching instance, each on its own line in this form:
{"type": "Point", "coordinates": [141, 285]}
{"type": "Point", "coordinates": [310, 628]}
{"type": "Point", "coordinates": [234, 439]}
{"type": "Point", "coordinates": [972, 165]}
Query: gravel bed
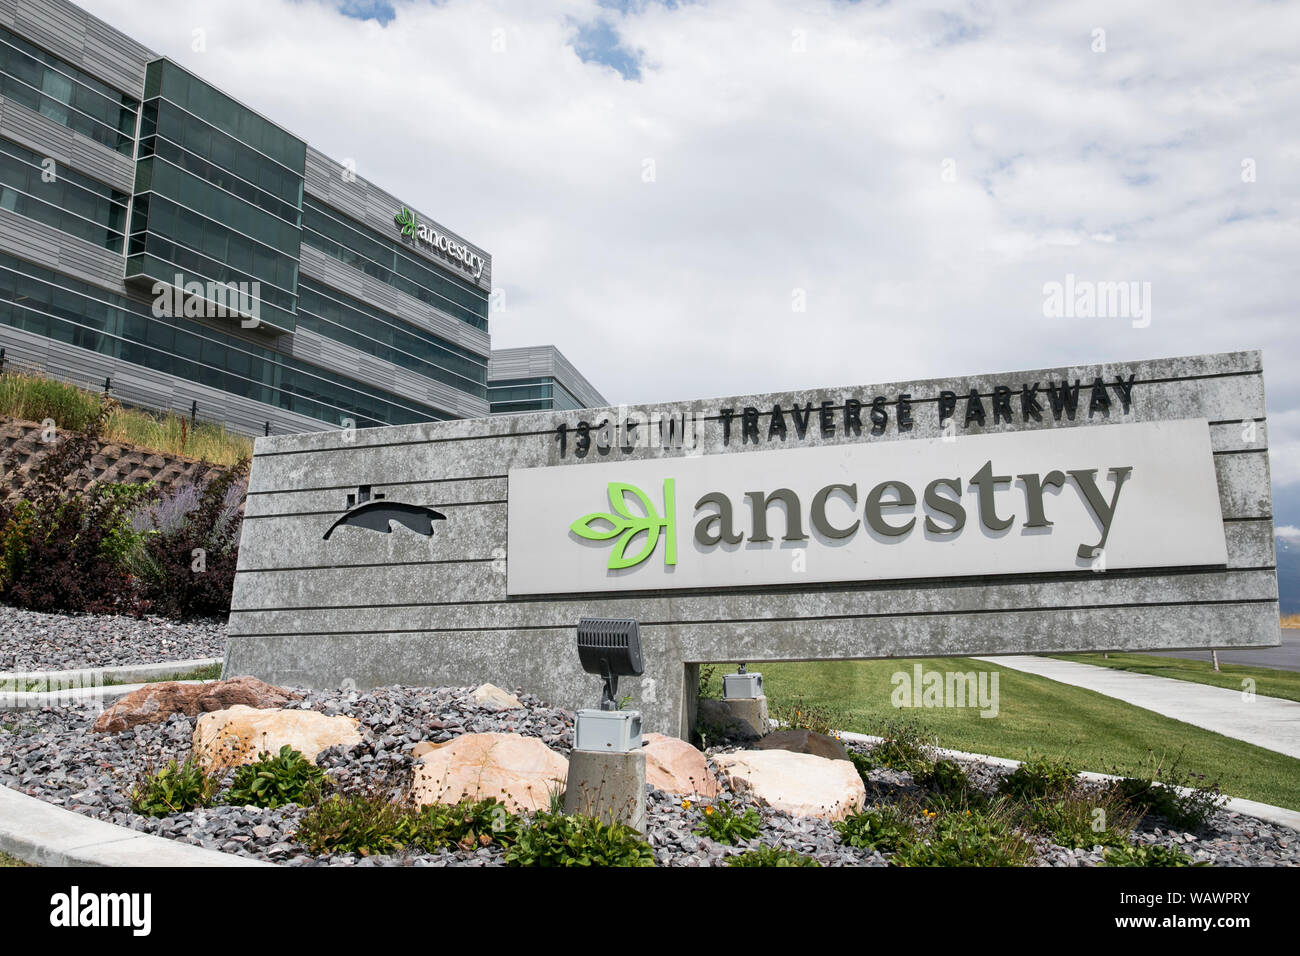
{"type": "Point", "coordinates": [50, 754]}
{"type": "Point", "coordinates": [35, 641]}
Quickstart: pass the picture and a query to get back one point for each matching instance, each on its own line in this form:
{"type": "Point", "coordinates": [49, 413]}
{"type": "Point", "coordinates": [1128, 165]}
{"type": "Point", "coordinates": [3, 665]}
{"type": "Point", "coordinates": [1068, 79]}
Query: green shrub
{"type": "Point", "coordinates": [1184, 800]}
{"type": "Point", "coordinates": [1083, 819]}
{"type": "Point", "coordinates": [950, 785]}
{"type": "Point", "coordinates": [1039, 777]}
{"type": "Point", "coordinates": [722, 823]}
{"type": "Point", "coordinates": [61, 546]}
{"type": "Point", "coordinates": [275, 780]}
{"type": "Point", "coordinates": [469, 825]}
{"type": "Point", "coordinates": [863, 763]}
{"type": "Point", "coordinates": [375, 823]}
{"type": "Point", "coordinates": [123, 541]}
{"type": "Point", "coordinates": [558, 839]}
{"type": "Point", "coordinates": [371, 824]}
{"type": "Point", "coordinates": [1147, 855]}
{"type": "Point", "coordinates": [706, 684]}
{"type": "Point", "coordinates": [904, 748]}
{"type": "Point", "coordinates": [14, 531]}
{"type": "Point", "coordinates": [175, 788]}
{"type": "Point", "coordinates": [799, 715]}
{"type": "Point", "coordinates": [771, 856]}
{"type": "Point", "coordinates": [886, 829]}
{"type": "Point", "coordinates": [189, 555]}
{"type": "Point", "coordinates": [967, 838]}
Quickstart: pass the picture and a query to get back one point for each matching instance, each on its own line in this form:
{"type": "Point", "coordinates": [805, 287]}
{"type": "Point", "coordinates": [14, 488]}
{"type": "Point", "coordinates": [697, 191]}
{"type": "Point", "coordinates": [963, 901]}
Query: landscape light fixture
{"type": "Point", "coordinates": [742, 685]}
{"type": "Point", "coordinates": [610, 648]}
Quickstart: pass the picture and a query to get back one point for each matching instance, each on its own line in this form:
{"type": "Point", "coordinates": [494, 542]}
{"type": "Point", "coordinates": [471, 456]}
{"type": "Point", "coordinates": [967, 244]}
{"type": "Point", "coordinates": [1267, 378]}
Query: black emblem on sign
{"type": "Point", "coordinates": [378, 514]}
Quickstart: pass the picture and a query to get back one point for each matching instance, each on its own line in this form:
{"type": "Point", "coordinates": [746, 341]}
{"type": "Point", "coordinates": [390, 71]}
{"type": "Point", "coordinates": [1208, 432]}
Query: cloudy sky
{"type": "Point", "coordinates": [663, 186]}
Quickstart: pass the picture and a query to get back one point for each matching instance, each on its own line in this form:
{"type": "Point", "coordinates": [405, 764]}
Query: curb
{"type": "Point", "coordinates": [72, 696]}
{"type": "Point", "coordinates": [41, 833]}
{"type": "Point", "coordinates": [1249, 808]}
{"type": "Point", "coordinates": [127, 673]}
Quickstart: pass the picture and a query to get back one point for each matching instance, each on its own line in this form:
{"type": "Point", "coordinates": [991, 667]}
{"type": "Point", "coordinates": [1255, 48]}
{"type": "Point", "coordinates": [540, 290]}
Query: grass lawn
{"type": "Point", "coordinates": [1099, 733]}
{"type": "Point", "coordinates": [208, 672]}
{"type": "Point", "coordinates": [1268, 681]}
{"type": "Point", "coordinates": [7, 860]}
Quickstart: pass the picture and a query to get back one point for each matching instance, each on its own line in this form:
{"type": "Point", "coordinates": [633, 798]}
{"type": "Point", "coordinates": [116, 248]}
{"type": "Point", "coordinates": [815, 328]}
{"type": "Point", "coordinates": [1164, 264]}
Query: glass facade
{"type": "Point", "coordinates": [540, 394]}
{"type": "Point", "coordinates": [59, 308]}
{"type": "Point", "coordinates": [385, 259]}
{"type": "Point", "coordinates": [62, 93]}
{"type": "Point", "coordinates": [184, 221]}
{"type": "Point", "coordinates": [344, 319]}
{"type": "Point", "coordinates": [40, 189]}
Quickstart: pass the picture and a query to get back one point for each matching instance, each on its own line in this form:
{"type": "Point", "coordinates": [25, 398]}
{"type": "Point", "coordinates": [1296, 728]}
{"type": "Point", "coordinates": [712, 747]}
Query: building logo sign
{"type": "Point", "coordinates": [379, 514]}
{"type": "Point", "coordinates": [1094, 499]}
{"type": "Point", "coordinates": [626, 526]}
{"type": "Point", "coordinates": [410, 227]}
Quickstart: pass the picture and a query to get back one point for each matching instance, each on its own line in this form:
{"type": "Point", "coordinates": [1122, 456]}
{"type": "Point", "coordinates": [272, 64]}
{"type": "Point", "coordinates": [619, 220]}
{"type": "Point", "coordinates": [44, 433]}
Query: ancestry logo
{"type": "Point", "coordinates": [75, 909]}
{"type": "Point", "coordinates": [408, 223]}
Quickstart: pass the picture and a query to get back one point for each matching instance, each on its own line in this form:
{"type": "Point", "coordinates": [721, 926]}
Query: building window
{"type": "Point", "coordinates": [64, 94]}
{"type": "Point", "coordinates": [386, 260]}
{"type": "Point", "coordinates": [68, 201]}
{"type": "Point", "coordinates": [64, 310]}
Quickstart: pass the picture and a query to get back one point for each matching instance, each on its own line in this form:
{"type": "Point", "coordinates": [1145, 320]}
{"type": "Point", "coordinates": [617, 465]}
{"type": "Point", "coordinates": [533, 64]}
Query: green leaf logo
{"type": "Point", "coordinates": [409, 224]}
{"type": "Point", "coordinates": [624, 525]}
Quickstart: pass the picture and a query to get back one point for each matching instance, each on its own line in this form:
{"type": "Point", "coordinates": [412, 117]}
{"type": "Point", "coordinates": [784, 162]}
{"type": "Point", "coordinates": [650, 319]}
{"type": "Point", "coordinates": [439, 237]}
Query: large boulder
{"type": "Point", "coordinates": [245, 691]}
{"type": "Point", "coordinates": [521, 772]}
{"type": "Point", "coordinates": [804, 742]}
{"type": "Point", "coordinates": [493, 698]}
{"type": "Point", "coordinates": [674, 766]}
{"type": "Point", "coordinates": [154, 703]}
{"type": "Point", "coordinates": [802, 785]}
{"type": "Point", "coordinates": [236, 735]}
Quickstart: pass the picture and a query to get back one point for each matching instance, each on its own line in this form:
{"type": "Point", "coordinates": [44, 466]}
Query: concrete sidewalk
{"type": "Point", "coordinates": [1267, 722]}
{"type": "Point", "coordinates": [46, 835]}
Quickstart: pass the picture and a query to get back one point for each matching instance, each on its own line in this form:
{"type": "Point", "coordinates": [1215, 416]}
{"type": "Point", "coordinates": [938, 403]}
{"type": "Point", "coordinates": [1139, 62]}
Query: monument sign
{"type": "Point", "coordinates": [1119, 506]}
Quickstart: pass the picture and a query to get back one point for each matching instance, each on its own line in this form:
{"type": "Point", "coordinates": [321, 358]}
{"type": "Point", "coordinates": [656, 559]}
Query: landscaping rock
{"type": "Point", "coordinates": [35, 640]}
{"type": "Point", "coordinates": [151, 704]}
{"type": "Point", "coordinates": [246, 691]}
{"type": "Point", "coordinates": [154, 703]}
{"type": "Point", "coordinates": [493, 698]}
{"type": "Point", "coordinates": [521, 772]}
{"type": "Point", "coordinates": [236, 735]}
{"type": "Point", "coordinates": [674, 766]}
{"type": "Point", "coordinates": [802, 785]}
{"type": "Point", "coordinates": [804, 742]}
{"type": "Point", "coordinates": [51, 755]}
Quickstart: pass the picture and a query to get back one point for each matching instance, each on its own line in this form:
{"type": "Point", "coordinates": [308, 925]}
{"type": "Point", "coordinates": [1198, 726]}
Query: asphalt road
{"type": "Point", "coordinates": [1286, 657]}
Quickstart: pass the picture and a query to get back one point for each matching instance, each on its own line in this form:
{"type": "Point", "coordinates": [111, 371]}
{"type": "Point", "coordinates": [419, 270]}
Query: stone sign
{"type": "Point", "coordinates": [1121, 506]}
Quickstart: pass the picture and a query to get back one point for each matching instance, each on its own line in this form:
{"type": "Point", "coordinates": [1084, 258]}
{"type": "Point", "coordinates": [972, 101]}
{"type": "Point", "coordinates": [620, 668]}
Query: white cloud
{"type": "Point", "coordinates": [819, 170]}
{"type": "Point", "coordinates": [1287, 532]}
